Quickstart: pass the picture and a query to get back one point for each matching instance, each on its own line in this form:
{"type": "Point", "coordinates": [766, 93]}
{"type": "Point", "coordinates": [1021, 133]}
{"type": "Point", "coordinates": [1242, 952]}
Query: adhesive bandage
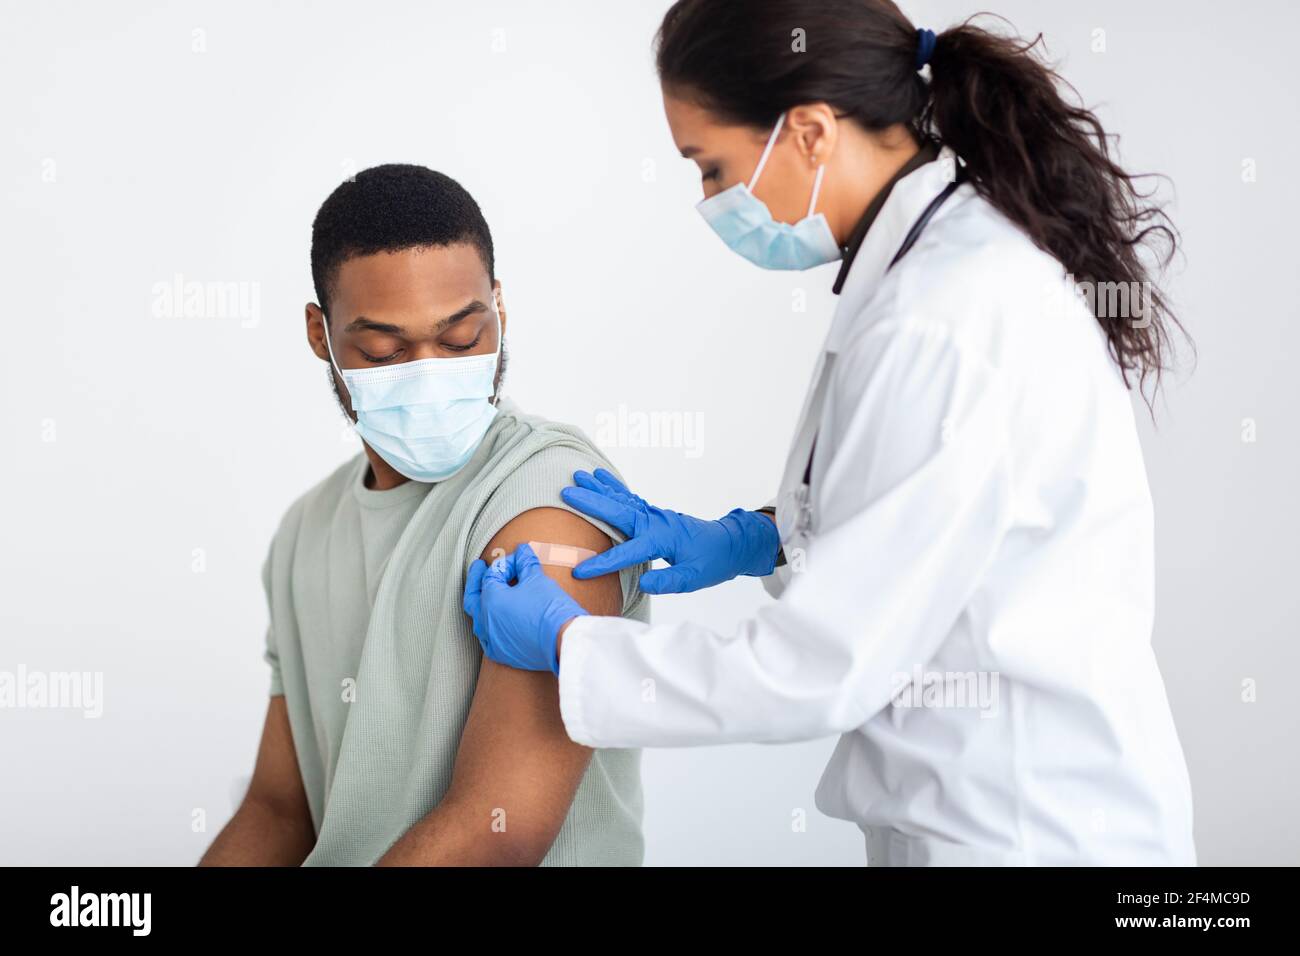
{"type": "Point", "coordinates": [560, 555]}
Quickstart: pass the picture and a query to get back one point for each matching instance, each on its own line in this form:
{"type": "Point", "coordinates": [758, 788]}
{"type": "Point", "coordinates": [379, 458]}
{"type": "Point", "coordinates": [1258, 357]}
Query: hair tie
{"type": "Point", "coordinates": [924, 47]}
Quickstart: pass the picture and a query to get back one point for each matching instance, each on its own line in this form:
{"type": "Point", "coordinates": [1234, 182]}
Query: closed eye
{"type": "Point", "coordinates": [463, 348]}
{"type": "Point", "coordinates": [377, 360]}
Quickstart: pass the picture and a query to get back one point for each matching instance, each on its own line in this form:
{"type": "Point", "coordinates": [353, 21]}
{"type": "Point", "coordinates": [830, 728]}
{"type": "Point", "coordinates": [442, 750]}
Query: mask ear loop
{"type": "Point", "coordinates": [501, 344]}
{"type": "Point", "coordinates": [767, 151]}
{"type": "Point", "coordinates": [325, 324]}
{"type": "Point", "coordinates": [817, 186]}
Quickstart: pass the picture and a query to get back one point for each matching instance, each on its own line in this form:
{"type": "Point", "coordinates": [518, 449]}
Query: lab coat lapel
{"type": "Point", "coordinates": [906, 203]}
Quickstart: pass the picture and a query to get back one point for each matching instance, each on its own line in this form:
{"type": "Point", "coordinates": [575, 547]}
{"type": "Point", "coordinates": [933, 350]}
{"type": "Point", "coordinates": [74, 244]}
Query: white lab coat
{"type": "Point", "coordinates": [978, 523]}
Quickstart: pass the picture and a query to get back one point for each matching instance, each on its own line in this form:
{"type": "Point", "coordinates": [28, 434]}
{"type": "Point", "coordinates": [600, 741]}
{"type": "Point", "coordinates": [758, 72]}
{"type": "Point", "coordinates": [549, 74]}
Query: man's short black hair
{"type": "Point", "coordinates": [391, 208]}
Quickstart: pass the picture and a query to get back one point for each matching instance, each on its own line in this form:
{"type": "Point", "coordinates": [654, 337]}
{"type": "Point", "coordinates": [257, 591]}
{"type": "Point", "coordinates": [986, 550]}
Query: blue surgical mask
{"type": "Point", "coordinates": [746, 225]}
{"type": "Point", "coordinates": [424, 418]}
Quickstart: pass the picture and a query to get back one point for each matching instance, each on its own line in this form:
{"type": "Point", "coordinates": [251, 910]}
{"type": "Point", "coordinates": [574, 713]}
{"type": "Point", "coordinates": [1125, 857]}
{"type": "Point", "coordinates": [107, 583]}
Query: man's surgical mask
{"type": "Point", "coordinates": [745, 224]}
{"type": "Point", "coordinates": [424, 418]}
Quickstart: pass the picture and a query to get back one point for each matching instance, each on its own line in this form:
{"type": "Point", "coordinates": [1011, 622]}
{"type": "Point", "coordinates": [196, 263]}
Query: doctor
{"type": "Point", "coordinates": [961, 548]}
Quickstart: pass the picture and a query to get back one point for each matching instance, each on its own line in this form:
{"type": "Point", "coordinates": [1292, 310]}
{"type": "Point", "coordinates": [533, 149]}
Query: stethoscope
{"type": "Point", "coordinates": [802, 494]}
{"type": "Point", "coordinates": [909, 240]}
{"type": "Point", "coordinates": [927, 214]}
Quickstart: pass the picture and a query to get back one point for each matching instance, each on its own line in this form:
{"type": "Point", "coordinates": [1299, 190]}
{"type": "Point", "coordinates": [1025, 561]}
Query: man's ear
{"type": "Point", "coordinates": [316, 331]}
{"type": "Point", "coordinates": [501, 304]}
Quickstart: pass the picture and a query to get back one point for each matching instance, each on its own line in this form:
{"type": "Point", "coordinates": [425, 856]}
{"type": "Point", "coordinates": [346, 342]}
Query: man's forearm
{"type": "Point", "coordinates": [460, 835]}
{"type": "Point", "coordinates": [259, 834]}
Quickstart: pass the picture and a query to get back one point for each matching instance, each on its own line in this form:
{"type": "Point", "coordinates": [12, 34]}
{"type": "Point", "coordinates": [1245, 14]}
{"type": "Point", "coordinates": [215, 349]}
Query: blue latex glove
{"type": "Point", "coordinates": [702, 553]}
{"type": "Point", "coordinates": [518, 624]}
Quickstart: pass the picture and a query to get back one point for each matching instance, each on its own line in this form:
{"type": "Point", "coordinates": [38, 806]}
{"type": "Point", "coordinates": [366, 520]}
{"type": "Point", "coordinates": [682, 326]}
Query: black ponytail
{"type": "Point", "coordinates": [1042, 162]}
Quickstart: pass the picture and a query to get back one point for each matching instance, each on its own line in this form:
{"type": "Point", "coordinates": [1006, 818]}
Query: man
{"type": "Point", "coordinates": [388, 738]}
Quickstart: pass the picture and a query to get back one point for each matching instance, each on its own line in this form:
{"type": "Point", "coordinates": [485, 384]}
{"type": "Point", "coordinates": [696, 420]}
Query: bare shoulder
{"type": "Point", "coordinates": [603, 595]}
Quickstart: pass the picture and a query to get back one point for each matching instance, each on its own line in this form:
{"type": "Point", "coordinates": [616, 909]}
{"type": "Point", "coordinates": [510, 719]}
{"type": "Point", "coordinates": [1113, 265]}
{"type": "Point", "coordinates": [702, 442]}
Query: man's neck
{"type": "Point", "coordinates": [382, 475]}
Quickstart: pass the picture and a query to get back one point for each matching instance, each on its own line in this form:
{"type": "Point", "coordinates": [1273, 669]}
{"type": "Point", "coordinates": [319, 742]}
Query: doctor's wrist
{"type": "Point", "coordinates": [770, 512]}
{"type": "Point", "coordinates": [559, 639]}
{"type": "Point", "coordinates": [756, 539]}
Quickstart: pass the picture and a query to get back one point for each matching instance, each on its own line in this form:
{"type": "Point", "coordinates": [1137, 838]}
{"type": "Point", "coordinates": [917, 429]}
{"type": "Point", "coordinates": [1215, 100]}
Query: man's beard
{"type": "Point", "coordinates": [496, 387]}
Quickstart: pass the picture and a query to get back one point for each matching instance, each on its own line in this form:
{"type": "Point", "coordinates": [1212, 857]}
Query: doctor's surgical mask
{"type": "Point", "coordinates": [425, 418]}
{"type": "Point", "coordinates": [745, 224]}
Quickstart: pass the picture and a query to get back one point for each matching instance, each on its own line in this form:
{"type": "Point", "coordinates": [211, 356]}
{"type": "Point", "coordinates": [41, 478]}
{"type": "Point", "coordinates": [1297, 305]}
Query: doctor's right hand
{"type": "Point", "coordinates": [702, 553]}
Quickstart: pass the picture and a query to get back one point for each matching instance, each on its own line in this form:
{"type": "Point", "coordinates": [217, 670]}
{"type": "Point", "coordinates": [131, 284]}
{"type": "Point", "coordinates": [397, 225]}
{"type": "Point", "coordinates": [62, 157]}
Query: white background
{"type": "Point", "coordinates": [131, 440]}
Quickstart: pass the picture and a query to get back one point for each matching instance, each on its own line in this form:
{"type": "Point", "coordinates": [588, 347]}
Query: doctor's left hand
{"type": "Point", "coordinates": [518, 624]}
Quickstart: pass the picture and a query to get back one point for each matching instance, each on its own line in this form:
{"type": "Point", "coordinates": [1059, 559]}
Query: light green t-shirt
{"type": "Point", "coordinates": [377, 661]}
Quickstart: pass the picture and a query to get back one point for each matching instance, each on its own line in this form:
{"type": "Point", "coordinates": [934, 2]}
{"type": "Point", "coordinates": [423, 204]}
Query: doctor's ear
{"type": "Point", "coordinates": [316, 331]}
{"type": "Point", "coordinates": [815, 130]}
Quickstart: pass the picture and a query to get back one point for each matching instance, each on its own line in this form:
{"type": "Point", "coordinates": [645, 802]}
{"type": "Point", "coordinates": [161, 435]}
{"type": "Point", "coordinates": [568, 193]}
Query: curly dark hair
{"type": "Point", "coordinates": [1045, 163]}
{"type": "Point", "coordinates": [391, 208]}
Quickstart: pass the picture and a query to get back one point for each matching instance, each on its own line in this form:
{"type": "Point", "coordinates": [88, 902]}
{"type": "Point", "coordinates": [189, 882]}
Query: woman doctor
{"type": "Point", "coordinates": [962, 543]}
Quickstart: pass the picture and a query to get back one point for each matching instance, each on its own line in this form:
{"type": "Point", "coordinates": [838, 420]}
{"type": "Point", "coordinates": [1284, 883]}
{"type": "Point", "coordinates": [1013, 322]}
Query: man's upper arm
{"type": "Point", "coordinates": [601, 596]}
{"type": "Point", "coordinates": [515, 755]}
